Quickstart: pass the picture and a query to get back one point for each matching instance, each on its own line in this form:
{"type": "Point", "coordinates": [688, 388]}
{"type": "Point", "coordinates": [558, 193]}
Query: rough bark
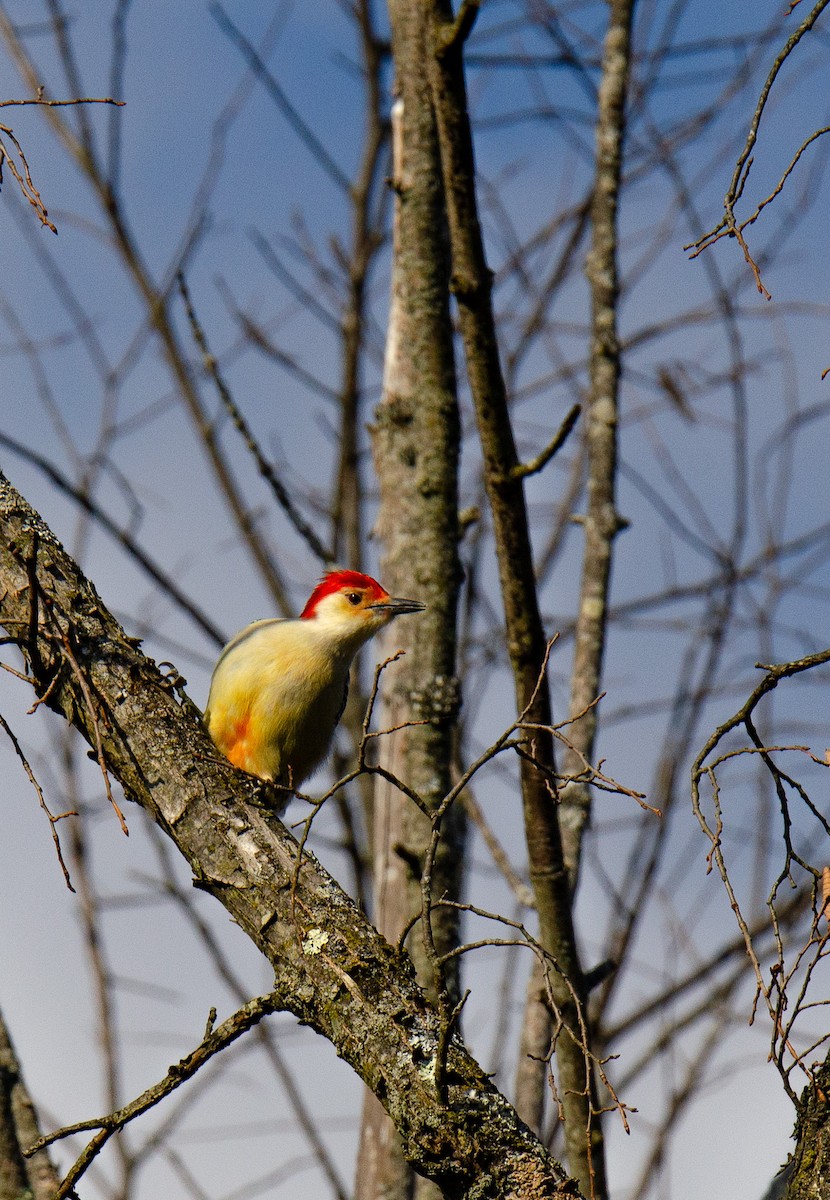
{"type": "Point", "coordinates": [333, 970]}
{"type": "Point", "coordinates": [416, 444]}
{"type": "Point", "coordinates": [602, 522]}
{"type": "Point", "coordinates": [809, 1168]}
{"type": "Point", "coordinates": [21, 1178]}
{"type": "Point", "coordinates": [472, 288]}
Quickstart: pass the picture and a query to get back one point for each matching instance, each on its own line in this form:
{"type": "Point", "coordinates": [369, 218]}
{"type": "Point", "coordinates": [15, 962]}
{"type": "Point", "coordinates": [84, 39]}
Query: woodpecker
{"type": "Point", "coordinates": [280, 686]}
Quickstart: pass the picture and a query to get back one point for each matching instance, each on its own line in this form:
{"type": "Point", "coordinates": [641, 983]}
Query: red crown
{"type": "Point", "coordinates": [339, 581]}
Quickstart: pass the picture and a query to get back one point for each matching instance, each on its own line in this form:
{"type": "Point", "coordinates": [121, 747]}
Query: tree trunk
{"type": "Point", "coordinates": [525, 635]}
{"type": "Point", "coordinates": [602, 521]}
{"type": "Point", "coordinates": [20, 1177]}
{"type": "Point", "coordinates": [416, 445]}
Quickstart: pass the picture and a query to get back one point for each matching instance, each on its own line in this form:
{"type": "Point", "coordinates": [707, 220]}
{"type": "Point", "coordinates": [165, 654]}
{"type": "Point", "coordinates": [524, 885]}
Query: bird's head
{"type": "Point", "coordinates": [350, 605]}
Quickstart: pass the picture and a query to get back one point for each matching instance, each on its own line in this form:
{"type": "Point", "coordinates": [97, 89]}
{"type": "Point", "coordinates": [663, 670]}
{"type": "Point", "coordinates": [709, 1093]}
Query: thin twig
{"type": "Point", "coordinates": [83, 684]}
{"type": "Point", "coordinates": [124, 538]}
{"type": "Point", "coordinates": [277, 94]}
{"type": "Point", "coordinates": [177, 1074]}
{"type": "Point", "coordinates": [266, 469]}
{"type": "Point", "coordinates": [23, 177]}
{"type": "Point", "coordinates": [729, 226]}
{"type": "Point", "coordinates": [44, 103]}
{"type": "Point", "coordinates": [53, 820]}
{"type": "Point", "coordinates": [537, 464]}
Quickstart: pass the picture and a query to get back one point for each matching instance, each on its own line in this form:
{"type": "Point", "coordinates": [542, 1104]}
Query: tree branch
{"type": "Point", "coordinates": [213, 1042]}
{"type": "Point", "coordinates": [602, 523]}
{"type": "Point", "coordinates": [537, 464]}
{"type": "Point", "coordinates": [34, 1177]}
{"type": "Point", "coordinates": [332, 969]}
{"type": "Point", "coordinates": [472, 286]}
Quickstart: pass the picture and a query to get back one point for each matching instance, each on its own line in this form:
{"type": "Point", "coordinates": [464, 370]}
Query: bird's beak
{"type": "Point", "coordinates": [396, 606]}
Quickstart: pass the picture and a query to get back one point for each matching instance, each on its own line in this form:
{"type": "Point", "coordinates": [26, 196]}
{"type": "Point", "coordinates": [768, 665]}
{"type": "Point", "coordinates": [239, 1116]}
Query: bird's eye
{"type": "Point", "coordinates": [354, 597]}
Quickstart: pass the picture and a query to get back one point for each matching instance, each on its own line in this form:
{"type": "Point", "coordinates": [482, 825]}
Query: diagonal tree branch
{"type": "Point", "coordinates": [332, 968]}
{"type": "Point", "coordinates": [214, 1041]}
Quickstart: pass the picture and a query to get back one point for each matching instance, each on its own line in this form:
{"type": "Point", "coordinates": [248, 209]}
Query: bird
{"type": "Point", "coordinates": [280, 686]}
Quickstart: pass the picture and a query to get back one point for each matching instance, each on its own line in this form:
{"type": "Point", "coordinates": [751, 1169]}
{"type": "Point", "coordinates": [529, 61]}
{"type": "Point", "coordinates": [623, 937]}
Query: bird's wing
{"type": "Point", "coordinates": [343, 702]}
{"type": "Point", "coordinates": [243, 636]}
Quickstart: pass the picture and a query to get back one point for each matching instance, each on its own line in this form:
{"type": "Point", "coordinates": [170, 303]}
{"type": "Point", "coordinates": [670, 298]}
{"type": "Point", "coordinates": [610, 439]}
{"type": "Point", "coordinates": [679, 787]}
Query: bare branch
{"type": "Point", "coordinates": [246, 858]}
{"type": "Point", "coordinates": [304, 131]}
{"type": "Point", "coordinates": [46, 103]}
{"type": "Point", "coordinates": [729, 226]}
{"type": "Point", "coordinates": [23, 177]}
{"type": "Point", "coordinates": [266, 469]}
{"type": "Point", "coordinates": [213, 1042]}
{"type": "Point", "coordinates": [537, 464]}
{"type": "Point", "coordinates": [53, 820]}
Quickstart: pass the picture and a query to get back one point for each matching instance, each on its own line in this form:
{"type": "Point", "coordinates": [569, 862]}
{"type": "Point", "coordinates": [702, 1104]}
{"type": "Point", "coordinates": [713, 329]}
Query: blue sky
{"type": "Point", "coordinates": [181, 69]}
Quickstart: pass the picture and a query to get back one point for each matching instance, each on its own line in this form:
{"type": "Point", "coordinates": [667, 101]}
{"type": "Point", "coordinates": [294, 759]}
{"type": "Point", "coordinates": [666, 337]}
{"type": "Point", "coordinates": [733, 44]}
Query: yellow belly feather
{"type": "Point", "coordinates": [274, 701]}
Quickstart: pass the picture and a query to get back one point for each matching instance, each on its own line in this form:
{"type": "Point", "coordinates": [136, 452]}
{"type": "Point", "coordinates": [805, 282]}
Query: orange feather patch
{"type": "Point", "coordinates": [236, 746]}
